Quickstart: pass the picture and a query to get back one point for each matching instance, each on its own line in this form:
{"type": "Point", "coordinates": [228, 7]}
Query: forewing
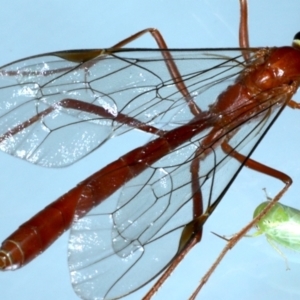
{"type": "Point", "coordinates": [286, 233]}
{"type": "Point", "coordinates": [43, 120]}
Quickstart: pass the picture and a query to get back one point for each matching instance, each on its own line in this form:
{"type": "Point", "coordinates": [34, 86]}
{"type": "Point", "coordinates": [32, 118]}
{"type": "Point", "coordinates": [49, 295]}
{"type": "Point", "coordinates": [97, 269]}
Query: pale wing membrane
{"type": "Point", "coordinates": [134, 83]}
{"type": "Point", "coordinates": [113, 254]}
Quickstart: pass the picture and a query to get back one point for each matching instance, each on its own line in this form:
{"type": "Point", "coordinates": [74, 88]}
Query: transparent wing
{"type": "Point", "coordinates": [125, 242]}
{"type": "Point", "coordinates": [54, 111]}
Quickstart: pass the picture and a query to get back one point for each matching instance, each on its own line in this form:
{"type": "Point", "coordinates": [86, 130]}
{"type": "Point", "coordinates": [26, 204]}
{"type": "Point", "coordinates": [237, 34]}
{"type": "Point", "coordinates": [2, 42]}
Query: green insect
{"type": "Point", "coordinates": [281, 225]}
